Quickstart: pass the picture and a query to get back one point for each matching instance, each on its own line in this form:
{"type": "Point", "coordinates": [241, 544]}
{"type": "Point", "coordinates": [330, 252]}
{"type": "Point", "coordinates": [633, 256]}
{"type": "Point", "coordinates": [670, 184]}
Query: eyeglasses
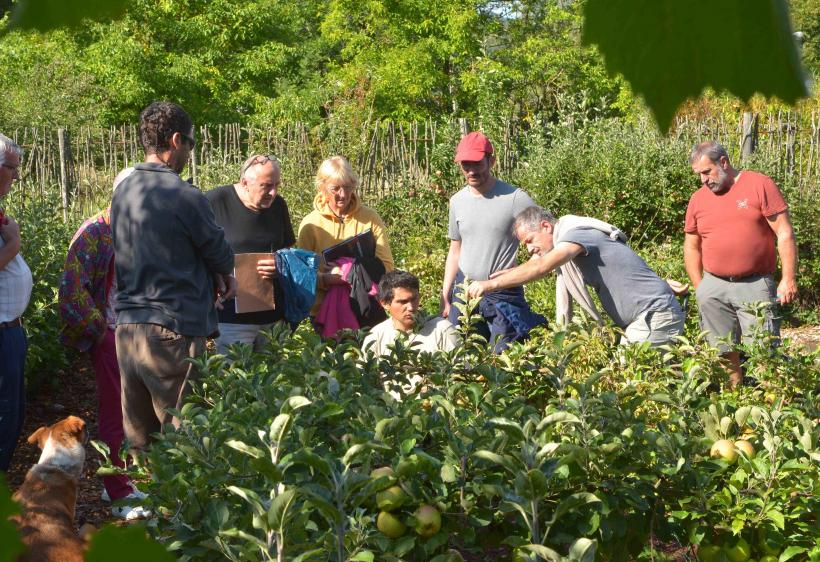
{"type": "Point", "coordinates": [337, 189]}
{"type": "Point", "coordinates": [261, 159]}
{"type": "Point", "coordinates": [189, 140]}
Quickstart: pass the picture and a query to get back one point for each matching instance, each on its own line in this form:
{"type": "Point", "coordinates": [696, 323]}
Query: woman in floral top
{"type": "Point", "coordinates": [86, 302]}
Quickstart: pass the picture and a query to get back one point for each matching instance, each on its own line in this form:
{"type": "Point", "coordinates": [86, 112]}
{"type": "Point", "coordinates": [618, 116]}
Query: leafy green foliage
{"type": "Point", "coordinates": [45, 238]}
{"type": "Point", "coordinates": [806, 18]}
{"type": "Point", "coordinates": [608, 451]}
{"type": "Point", "coordinates": [129, 544]}
{"type": "Point", "coordinates": [44, 15]}
{"type": "Point", "coordinates": [260, 61]}
{"type": "Point", "coordinates": [670, 51]}
{"type": "Point", "coordinates": [9, 538]}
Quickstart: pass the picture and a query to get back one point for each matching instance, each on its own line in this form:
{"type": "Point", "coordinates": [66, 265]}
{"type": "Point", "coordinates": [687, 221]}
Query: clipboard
{"type": "Point", "coordinates": [254, 293]}
{"type": "Point", "coordinates": [360, 246]}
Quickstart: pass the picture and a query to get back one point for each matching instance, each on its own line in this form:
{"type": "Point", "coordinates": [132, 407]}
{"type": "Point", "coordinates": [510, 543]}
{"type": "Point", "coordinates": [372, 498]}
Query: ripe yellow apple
{"type": "Point", "coordinates": [390, 525]}
{"type": "Point", "coordinates": [725, 450]}
{"type": "Point", "coordinates": [745, 447]}
{"type": "Point", "coordinates": [381, 471]}
{"type": "Point", "coordinates": [429, 520]}
{"type": "Point", "coordinates": [391, 499]}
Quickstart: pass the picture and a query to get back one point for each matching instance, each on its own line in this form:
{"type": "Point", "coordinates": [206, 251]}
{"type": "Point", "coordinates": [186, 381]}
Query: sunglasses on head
{"type": "Point", "coordinates": [261, 159]}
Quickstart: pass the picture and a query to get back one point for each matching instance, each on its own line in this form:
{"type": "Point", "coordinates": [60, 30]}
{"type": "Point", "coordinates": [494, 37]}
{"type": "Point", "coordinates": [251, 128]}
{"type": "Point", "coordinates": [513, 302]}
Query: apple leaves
{"type": "Point", "coordinates": [44, 15]}
{"type": "Point", "coordinates": [9, 537]}
{"type": "Point", "coordinates": [670, 50]}
{"type": "Point", "coordinates": [125, 544]}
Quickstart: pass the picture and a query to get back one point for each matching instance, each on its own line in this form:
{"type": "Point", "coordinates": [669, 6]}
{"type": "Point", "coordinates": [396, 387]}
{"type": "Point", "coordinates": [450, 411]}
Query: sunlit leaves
{"type": "Point", "coordinates": [670, 51]}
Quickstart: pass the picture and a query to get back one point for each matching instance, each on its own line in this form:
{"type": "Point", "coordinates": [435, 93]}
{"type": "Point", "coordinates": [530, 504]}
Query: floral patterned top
{"type": "Point", "coordinates": [86, 282]}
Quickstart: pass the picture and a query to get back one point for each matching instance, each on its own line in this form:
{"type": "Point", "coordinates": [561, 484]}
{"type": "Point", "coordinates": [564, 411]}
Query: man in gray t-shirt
{"type": "Point", "coordinates": [637, 300]}
{"type": "Point", "coordinates": [480, 225]}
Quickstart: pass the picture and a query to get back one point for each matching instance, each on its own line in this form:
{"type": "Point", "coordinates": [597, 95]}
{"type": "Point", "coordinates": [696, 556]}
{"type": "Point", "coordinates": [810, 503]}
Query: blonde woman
{"type": "Point", "coordinates": [337, 215]}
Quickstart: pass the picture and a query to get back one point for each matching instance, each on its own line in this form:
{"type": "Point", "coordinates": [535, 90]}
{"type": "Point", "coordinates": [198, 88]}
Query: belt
{"type": "Point", "coordinates": [11, 323]}
{"type": "Point", "coordinates": [736, 278]}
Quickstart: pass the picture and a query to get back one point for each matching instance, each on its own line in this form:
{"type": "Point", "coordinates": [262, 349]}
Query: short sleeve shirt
{"type": "Point", "coordinates": [435, 334]}
{"type": "Point", "coordinates": [736, 239]}
{"type": "Point", "coordinates": [483, 224]}
{"type": "Point", "coordinates": [626, 286]}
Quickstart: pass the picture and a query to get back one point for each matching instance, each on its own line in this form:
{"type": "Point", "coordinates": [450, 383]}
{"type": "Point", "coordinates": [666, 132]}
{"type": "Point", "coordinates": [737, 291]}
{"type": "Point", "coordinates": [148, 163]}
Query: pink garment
{"type": "Point", "coordinates": [335, 313]}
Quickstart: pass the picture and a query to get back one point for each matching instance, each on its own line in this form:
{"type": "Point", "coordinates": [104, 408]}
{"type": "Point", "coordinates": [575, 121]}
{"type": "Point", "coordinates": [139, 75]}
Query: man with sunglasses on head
{"type": "Point", "coordinates": [15, 292]}
{"type": "Point", "coordinates": [256, 219]}
{"type": "Point", "coordinates": [173, 269]}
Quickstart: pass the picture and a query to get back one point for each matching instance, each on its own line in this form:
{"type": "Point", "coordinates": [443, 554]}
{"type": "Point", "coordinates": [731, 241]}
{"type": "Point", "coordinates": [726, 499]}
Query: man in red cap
{"type": "Point", "coordinates": [482, 243]}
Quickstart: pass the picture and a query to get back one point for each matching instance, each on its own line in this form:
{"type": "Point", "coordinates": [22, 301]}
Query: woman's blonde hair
{"type": "Point", "coordinates": [338, 170]}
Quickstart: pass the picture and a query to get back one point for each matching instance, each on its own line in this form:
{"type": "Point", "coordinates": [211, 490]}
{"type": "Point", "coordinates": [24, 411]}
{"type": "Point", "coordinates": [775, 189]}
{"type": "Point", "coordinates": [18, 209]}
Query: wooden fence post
{"type": "Point", "coordinates": [65, 156]}
{"type": "Point", "coordinates": [748, 142]}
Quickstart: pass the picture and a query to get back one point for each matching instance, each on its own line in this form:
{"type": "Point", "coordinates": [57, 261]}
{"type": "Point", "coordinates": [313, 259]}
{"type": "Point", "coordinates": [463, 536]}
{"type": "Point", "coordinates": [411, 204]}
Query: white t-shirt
{"type": "Point", "coordinates": [436, 334]}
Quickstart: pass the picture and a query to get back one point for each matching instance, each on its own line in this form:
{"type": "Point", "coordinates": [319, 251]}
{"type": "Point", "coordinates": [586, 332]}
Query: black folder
{"type": "Point", "coordinates": [362, 245]}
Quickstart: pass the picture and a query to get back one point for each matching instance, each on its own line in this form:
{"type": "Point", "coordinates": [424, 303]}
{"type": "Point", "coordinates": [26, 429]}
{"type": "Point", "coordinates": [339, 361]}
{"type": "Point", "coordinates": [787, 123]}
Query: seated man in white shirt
{"type": "Point", "coordinates": [399, 294]}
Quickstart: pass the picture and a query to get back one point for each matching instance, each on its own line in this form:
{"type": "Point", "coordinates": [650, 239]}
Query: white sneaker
{"type": "Point", "coordinates": [130, 512]}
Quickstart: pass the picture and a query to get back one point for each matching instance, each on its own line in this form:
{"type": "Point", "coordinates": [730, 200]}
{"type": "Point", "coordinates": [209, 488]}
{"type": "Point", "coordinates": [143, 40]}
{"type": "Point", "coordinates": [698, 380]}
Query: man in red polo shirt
{"type": "Point", "coordinates": [733, 223]}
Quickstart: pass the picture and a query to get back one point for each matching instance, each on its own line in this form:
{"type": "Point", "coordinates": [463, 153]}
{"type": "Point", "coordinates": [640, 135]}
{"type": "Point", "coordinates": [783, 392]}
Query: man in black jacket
{"type": "Point", "coordinates": [172, 262]}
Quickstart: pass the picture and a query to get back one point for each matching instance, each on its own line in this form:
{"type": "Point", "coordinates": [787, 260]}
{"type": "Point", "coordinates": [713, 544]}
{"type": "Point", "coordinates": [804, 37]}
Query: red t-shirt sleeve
{"type": "Point", "coordinates": [691, 224]}
{"type": "Point", "coordinates": [771, 200]}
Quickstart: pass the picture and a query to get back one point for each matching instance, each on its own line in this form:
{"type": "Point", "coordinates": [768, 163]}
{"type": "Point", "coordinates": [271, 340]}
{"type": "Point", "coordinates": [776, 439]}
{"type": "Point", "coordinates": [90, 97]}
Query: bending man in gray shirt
{"type": "Point", "coordinates": [637, 300]}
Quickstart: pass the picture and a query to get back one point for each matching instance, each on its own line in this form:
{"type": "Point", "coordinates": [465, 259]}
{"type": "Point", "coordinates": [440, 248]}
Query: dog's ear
{"type": "Point", "coordinates": [38, 437]}
{"type": "Point", "coordinates": [74, 426]}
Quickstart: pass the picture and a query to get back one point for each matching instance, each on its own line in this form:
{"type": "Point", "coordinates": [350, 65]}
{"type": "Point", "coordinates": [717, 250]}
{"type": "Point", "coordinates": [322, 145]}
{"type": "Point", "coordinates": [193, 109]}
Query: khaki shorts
{"type": "Point", "coordinates": [155, 377]}
{"type": "Point", "coordinates": [724, 308]}
{"type": "Point", "coordinates": [656, 326]}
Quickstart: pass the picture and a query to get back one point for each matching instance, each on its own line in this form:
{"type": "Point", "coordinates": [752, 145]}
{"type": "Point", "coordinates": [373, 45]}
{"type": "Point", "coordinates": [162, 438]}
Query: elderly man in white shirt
{"type": "Point", "coordinates": [15, 291]}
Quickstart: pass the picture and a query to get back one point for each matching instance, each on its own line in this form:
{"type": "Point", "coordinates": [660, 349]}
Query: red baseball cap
{"type": "Point", "coordinates": [473, 147]}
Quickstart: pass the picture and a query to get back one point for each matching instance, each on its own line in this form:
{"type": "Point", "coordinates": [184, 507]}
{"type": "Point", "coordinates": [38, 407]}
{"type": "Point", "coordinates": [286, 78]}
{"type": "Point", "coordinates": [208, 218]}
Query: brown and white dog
{"type": "Point", "coordinates": [49, 494]}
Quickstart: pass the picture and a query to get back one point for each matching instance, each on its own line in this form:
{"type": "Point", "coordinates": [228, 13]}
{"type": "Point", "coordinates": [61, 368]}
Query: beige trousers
{"type": "Point", "coordinates": [155, 377]}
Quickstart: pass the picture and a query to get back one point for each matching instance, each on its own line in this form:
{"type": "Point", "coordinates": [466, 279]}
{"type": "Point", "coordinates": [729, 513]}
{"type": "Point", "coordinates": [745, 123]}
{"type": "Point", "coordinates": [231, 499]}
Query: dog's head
{"type": "Point", "coordinates": [63, 445]}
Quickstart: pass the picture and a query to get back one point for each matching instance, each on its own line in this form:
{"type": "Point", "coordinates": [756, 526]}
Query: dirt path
{"type": "Point", "coordinates": [808, 336]}
{"type": "Point", "coordinates": [72, 393]}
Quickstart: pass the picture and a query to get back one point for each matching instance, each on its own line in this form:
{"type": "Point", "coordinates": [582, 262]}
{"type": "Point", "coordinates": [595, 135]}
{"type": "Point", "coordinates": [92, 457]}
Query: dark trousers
{"type": "Point", "coordinates": [13, 346]}
{"type": "Point", "coordinates": [481, 327]}
{"type": "Point", "coordinates": [505, 316]}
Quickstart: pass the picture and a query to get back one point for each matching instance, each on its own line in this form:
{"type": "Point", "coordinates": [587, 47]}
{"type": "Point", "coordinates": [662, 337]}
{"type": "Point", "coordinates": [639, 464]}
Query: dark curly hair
{"type": "Point", "coordinates": [158, 122]}
{"type": "Point", "coordinates": [396, 279]}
